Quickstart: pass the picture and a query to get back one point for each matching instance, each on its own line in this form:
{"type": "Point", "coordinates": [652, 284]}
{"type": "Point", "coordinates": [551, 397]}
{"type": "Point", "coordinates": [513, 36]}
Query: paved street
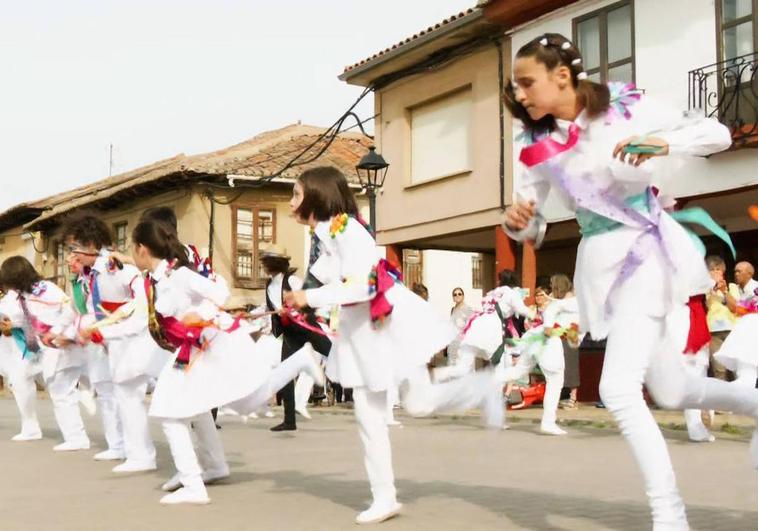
{"type": "Point", "coordinates": [450, 474]}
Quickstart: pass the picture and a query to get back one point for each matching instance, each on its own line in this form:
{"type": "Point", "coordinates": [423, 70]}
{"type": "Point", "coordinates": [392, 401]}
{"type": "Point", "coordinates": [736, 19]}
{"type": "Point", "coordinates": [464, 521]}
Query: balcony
{"type": "Point", "coordinates": [728, 91]}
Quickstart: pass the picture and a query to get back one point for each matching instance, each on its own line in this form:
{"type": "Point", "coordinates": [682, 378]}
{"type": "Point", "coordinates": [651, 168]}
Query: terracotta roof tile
{"type": "Point", "coordinates": [412, 38]}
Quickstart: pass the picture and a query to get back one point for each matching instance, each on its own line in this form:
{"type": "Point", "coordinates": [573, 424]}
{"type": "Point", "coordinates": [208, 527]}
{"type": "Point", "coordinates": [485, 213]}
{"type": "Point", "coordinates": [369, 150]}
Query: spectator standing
{"type": "Point", "coordinates": [459, 314]}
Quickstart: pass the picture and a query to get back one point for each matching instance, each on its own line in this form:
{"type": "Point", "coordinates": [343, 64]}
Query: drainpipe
{"type": "Point", "coordinates": [212, 216]}
{"type": "Point", "coordinates": [501, 83]}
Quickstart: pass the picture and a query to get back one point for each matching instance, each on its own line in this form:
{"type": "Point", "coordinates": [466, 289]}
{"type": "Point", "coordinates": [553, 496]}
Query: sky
{"type": "Point", "coordinates": [155, 78]}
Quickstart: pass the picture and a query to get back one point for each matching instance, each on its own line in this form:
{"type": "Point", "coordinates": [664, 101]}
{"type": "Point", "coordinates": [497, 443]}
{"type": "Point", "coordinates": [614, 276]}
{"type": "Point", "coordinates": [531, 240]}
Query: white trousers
{"type": "Point", "coordinates": [25, 393]}
{"type": "Point", "coordinates": [420, 397]}
{"type": "Point", "coordinates": [552, 364]}
{"type": "Point", "coordinates": [280, 376]}
{"type": "Point", "coordinates": [370, 414]}
{"type": "Point", "coordinates": [303, 388]}
{"type": "Point", "coordinates": [205, 455]}
{"type": "Point", "coordinates": [697, 365]}
{"type": "Point", "coordinates": [638, 352]}
{"type": "Point", "coordinates": [464, 363]}
{"type": "Point", "coordinates": [65, 398]}
{"type": "Point", "coordinates": [130, 398]}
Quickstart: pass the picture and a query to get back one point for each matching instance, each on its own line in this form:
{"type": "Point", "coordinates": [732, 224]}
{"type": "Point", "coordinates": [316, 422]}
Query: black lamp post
{"type": "Point", "coordinates": [372, 169]}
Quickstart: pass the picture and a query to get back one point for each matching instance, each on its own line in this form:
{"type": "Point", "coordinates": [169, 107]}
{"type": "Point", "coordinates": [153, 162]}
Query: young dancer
{"type": "Point", "coordinates": [19, 366]}
{"type": "Point", "coordinates": [543, 345]}
{"type": "Point", "coordinates": [636, 265]}
{"type": "Point", "coordinates": [378, 343]}
{"type": "Point", "coordinates": [485, 333]}
{"type": "Point", "coordinates": [216, 361]}
{"type": "Point", "coordinates": [109, 298]}
{"type": "Point", "coordinates": [43, 312]}
{"type": "Point", "coordinates": [294, 336]}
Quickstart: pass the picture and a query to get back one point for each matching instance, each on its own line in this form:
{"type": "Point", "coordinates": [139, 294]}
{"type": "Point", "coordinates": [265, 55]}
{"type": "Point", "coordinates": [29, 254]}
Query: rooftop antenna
{"type": "Point", "coordinates": [110, 160]}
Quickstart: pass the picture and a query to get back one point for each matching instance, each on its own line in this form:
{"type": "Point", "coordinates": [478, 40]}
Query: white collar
{"type": "Point", "coordinates": [582, 121]}
{"type": "Point", "coordinates": [160, 270]}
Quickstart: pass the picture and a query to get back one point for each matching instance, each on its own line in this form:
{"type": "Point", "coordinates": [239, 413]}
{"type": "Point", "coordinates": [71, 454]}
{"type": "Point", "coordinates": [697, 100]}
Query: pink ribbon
{"type": "Point", "coordinates": [386, 276]}
{"type": "Point", "coordinates": [297, 318]}
{"type": "Point", "coordinates": [548, 147]}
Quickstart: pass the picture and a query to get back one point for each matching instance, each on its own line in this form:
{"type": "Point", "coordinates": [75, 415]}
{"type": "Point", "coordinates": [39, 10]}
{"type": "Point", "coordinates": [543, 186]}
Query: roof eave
{"type": "Point", "coordinates": [361, 75]}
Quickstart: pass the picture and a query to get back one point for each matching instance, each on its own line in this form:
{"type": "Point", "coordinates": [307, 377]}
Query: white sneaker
{"type": "Point", "coordinates": [303, 413]}
{"type": "Point", "coordinates": [172, 484]}
{"type": "Point", "coordinates": [379, 512]}
{"type": "Point", "coordinates": [209, 478]}
{"type": "Point", "coordinates": [754, 449]}
{"type": "Point", "coordinates": [134, 466]}
{"type": "Point", "coordinates": [268, 414]}
{"type": "Point", "coordinates": [196, 496]}
{"type": "Point", "coordinates": [394, 422]}
{"type": "Point", "coordinates": [22, 437]}
{"type": "Point", "coordinates": [708, 438]}
{"type": "Point", "coordinates": [110, 455]}
{"type": "Point", "coordinates": [71, 446]}
{"type": "Point", "coordinates": [552, 429]}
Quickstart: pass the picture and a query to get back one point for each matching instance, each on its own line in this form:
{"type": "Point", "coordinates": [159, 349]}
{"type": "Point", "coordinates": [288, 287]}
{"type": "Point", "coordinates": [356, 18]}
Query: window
{"type": "Point", "coordinates": [60, 267]}
{"type": "Point", "coordinates": [440, 137]}
{"type": "Point", "coordinates": [413, 267]}
{"type": "Point", "coordinates": [252, 229]}
{"type": "Point", "coordinates": [737, 27]}
{"type": "Point", "coordinates": [120, 230]}
{"type": "Point", "coordinates": [606, 40]}
{"type": "Point", "coordinates": [477, 281]}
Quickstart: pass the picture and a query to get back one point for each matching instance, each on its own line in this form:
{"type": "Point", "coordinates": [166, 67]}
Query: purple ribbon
{"type": "Point", "coordinates": [607, 204]}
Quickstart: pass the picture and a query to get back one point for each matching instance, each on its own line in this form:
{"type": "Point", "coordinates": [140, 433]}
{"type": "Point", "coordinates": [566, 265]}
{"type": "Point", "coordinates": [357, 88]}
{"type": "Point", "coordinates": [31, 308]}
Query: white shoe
{"type": "Point", "coordinates": [134, 466]}
{"type": "Point", "coordinates": [505, 426]}
{"type": "Point", "coordinates": [379, 512]}
{"type": "Point", "coordinates": [709, 439]}
{"type": "Point", "coordinates": [251, 416]}
{"type": "Point", "coordinates": [394, 422]}
{"type": "Point", "coordinates": [172, 484]}
{"type": "Point", "coordinates": [71, 446]}
{"type": "Point", "coordinates": [552, 429]}
{"type": "Point", "coordinates": [754, 449]}
{"type": "Point", "coordinates": [87, 400]}
{"type": "Point", "coordinates": [196, 496]}
{"type": "Point", "coordinates": [110, 455]}
{"type": "Point", "coordinates": [303, 413]}
{"type": "Point", "coordinates": [209, 478]}
{"type": "Point", "coordinates": [268, 414]}
{"type": "Point", "coordinates": [22, 437]}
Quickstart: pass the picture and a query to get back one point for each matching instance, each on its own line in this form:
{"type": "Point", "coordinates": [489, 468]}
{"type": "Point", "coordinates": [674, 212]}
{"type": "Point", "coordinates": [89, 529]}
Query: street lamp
{"type": "Point", "coordinates": [372, 169]}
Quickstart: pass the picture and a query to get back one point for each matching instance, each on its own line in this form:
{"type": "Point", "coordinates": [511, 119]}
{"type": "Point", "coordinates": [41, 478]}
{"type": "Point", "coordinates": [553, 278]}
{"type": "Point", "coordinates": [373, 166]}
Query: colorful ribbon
{"type": "Point", "coordinates": [383, 276]}
{"type": "Point", "coordinates": [548, 147]}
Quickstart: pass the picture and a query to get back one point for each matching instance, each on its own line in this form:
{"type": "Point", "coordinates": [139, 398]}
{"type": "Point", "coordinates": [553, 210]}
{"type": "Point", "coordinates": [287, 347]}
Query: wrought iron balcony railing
{"type": "Point", "coordinates": [728, 91]}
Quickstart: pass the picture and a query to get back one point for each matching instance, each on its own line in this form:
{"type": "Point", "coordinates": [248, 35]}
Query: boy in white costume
{"type": "Point", "coordinates": [44, 313]}
{"type": "Point", "coordinates": [109, 296]}
{"type": "Point", "coordinates": [636, 266]}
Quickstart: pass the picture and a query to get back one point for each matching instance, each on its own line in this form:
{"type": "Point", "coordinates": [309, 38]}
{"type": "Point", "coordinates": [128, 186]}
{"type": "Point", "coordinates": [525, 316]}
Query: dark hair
{"type": "Point", "coordinates": [161, 213]}
{"type": "Point", "coordinates": [419, 289]}
{"type": "Point", "coordinates": [325, 194]}
{"type": "Point", "coordinates": [276, 264]}
{"type": "Point", "coordinates": [558, 51]}
{"type": "Point", "coordinates": [507, 278]}
{"type": "Point", "coordinates": [161, 240]}
{"type": "Point", "coordinates": [87, 228]}
{"type": "Point", "coordinates": [456, 289]}
{"type": "Point", "coordinates": [19, 274]}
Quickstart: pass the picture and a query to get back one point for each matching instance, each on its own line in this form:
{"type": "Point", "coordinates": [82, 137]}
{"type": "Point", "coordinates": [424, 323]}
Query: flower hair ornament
{"type": "Point", "coordinates": [564, 48]}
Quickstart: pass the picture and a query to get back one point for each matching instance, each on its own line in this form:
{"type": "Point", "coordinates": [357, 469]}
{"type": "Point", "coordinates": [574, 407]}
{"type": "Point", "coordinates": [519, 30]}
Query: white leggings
{"type": "Point", "coordinates": [371, 416]}
{"type": "Point", "coordinates": [25, 392]}
{"type": "Point", "coordinates": [638, 352]}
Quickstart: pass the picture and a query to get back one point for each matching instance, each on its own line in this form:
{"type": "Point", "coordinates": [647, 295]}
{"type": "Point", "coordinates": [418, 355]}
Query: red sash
{"type": "Point", "coordinates": [699, 335]}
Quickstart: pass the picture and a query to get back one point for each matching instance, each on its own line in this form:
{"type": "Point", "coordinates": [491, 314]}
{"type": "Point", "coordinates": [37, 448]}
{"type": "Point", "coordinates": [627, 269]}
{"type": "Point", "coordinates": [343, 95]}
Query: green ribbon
{"type": "Point", "coordinates": [79, 296]}
{"type": "Point", "coordinates": [20, 339]}
{"type": "Point", "coordinates": [591, 224]}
